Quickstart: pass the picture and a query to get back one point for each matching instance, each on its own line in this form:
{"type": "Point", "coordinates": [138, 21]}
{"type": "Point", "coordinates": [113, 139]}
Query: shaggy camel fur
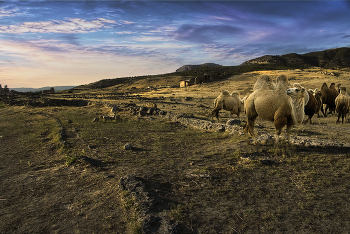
{"type": "Point", "coordinates": [282, 106]}
{"type": "Point", "coordinates": [342, 103]}
{"type": "Point", "coordinates": [328, 98]}
{"type": "Point", "coordinates": [229, 102]}
{"type": "Point", "coordinates": [264, 82]}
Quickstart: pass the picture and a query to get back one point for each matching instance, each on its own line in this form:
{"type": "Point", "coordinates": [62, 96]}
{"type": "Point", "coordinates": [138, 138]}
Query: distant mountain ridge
{"type": "Point", "coordinates": [332, 58]}
{"type": "Point", "coordinates": [191, 67]}
{"type": "Point", "coordinates": [57, 88]}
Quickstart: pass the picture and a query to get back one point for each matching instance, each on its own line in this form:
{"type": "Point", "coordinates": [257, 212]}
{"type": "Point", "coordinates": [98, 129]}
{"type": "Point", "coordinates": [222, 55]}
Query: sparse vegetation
{"type": "Point", "coordinates": [203, 181]}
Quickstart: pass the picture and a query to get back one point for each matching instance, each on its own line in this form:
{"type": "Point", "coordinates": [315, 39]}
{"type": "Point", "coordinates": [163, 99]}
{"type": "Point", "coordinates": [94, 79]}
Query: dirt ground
{"type": "Point", "coordinates": [63, 173]}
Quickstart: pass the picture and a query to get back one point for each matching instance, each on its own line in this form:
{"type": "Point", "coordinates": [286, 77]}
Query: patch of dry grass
{"type": "Point", "coordinates": [209, 182]}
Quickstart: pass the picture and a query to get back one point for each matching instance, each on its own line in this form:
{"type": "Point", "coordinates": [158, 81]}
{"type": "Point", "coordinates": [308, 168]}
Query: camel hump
{"type": "Point", "coordinates": [324, 86]}
{"type": "Point", "coordinates": [235, 93]}
{"type": "Point", "coordinates": [225, 93]}
{"type": "Point", "coordinates": [263, 82]}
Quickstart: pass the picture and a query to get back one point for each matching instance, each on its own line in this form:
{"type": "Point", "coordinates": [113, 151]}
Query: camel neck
{"type": "Point", "coordinates": [298, 113]}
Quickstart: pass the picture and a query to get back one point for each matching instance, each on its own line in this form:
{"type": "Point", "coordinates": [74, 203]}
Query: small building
{"type": "Point", "coordinates": [186, 83]}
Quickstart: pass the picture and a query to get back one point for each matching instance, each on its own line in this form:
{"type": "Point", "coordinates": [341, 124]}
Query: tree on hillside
{"type": "Point", "coordinates": [6, 90]}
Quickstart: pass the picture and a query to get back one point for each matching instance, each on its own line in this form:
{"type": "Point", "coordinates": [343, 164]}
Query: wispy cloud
{"type": "Point", "coordinates": [205, 33]}
{"type": "Point", "coordinates": [7, 13]}
{"type": "Point", "coordinates": [72, 25]}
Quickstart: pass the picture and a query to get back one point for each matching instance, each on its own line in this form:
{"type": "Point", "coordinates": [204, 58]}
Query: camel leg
{"type": "Point", "coordinates": [249, 127]}
{"type": "Point", "coordinates": [216, 113]}
{"type": "Point", "coordinates": [324, 112]}
{"type": "Point", "coordinates": [326, 109]}
{"type": "Point", "coordinates": [289, 130]}
{"type": "Point", "coordinates": [279, 124]}
{"type": "Point", "coordinates": [277, 136]}
{"type": "Point", "coordinates": [290, 124]}
{"type": "Point", "coordinates": [308, 118]}
{"type": "Point", "coordinates": [338, 118]}
{"type": "Point", "coordinates": [238, 115]}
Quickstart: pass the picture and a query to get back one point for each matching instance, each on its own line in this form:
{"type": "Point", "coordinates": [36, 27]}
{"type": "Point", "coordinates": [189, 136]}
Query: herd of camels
{"type": "Point", "coordinates": [283, 105]}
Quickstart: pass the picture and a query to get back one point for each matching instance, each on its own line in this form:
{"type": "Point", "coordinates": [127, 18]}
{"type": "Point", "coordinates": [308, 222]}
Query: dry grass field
{"type": "Point", "coordinates": [63, 173]}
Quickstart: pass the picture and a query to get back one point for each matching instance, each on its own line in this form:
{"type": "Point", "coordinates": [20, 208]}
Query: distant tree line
{"type": "Point", "coordinates": [5, 90]}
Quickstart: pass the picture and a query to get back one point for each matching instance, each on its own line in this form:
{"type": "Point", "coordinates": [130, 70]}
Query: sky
{"type": "Point", "coordinates": [60, 43]}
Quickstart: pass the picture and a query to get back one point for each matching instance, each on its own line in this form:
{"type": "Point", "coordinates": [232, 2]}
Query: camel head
{"type": "Point", "coordinates": [318, 95]}
{"type": "Point", "coordinates": [306, 94]}
{"type": "Point", "coordinates": [342, 89]}
{"type": "Point", "coordinates": [297, 92]}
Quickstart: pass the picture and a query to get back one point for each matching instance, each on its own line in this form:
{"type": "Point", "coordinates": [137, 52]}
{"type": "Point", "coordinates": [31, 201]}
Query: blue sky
{"type": "Point", "coordinates": [51, 43]}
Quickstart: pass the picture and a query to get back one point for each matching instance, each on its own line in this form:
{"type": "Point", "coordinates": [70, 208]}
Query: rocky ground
{"type": "Point", "coordinates": [156, 162]}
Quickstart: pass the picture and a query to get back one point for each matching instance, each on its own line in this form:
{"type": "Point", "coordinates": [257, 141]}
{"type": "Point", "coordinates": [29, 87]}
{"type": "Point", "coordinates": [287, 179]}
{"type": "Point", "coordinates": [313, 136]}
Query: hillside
{"type": "Point", "coordinates": [333, 58]}
{"type": "Point", "coordinates": [191, 67]}
{"type": "Point", "coordinates": [57, 88]}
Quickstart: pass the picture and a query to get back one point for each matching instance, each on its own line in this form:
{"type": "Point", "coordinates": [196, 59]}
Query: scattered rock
{"type": "Point", "coordinates": [144, 109]}
{"type": "Point", "coordinates": [268, 162]}
{"type": "Point", "coordinates": [150, 111]}
{"type": "Point", "coordinates": [152, 221]}
{"type": "Point", "coordinates": [221, 129]}
{"type": "Point", "coordinates": [127, 146]}
{"type": "Point", "coordinates": [96, 119]}
{"type": "Point", "coordinates": [233, 122]}
{"type": "Point", "coordinates": [265, 139]}
{"type": "Point", "coordinates": [114, 109]}
{"type": "Point", "coordinates": [142, 113]}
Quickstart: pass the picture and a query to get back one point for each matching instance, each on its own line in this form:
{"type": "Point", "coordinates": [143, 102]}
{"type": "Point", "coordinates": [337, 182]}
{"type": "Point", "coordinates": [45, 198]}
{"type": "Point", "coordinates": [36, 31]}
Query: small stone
{"type": "Point", "coordinates": [127, 146]}
{"type": "Point", "coordinates": [96, 119]}
{"type": "Point", "coordinates": [220, 129]}
{"type": "Point", "coordinates": [268, 162]}
{"type": "Point", "coordinates": [150, 111]}
{"type": "Point", "coordinates": [162, 112]}
{"type": "Point", "coordinates": [114, 109]}
{"type": "Point", "coordinates": [233, 122]}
